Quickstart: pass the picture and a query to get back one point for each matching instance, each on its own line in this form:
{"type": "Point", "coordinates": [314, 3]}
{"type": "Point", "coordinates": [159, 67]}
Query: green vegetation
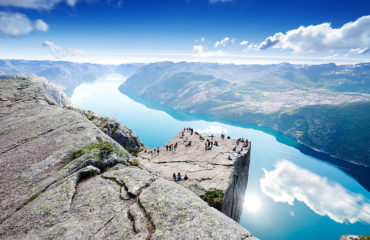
{"type": "Point", "coordinates": [103, 125]}
{"type": "Point", "coordinates": [133, 151]}
{"type": "Point", "coordinates": [215, 198]}
{"type": "Point", "coordinates": [104, 149]}
{"type": "Point", "coordinates": [90, 117]}
{"type": "Point", "coordinates": [115, 128]}
{"type": "Point", "coordinates": [119, 151]}
{"type": "Point", "coordinates": [365, 237]}
{"type": "Point", "coordinates": [136, 162]}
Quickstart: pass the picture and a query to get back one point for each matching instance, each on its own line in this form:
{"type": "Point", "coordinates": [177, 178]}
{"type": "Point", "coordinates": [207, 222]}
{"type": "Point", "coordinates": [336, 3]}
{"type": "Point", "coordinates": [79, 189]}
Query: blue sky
{"type": "Point", "coordinates": [238, 31]}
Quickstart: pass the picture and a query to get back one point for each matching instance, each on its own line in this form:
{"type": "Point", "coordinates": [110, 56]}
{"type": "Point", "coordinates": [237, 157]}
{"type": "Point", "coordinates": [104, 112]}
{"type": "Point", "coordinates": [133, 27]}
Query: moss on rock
{"type": "Point", "coordinates": [215, 198]}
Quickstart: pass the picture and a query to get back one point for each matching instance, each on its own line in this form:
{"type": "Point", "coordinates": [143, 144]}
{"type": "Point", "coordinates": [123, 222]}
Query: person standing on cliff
{"type": "Point", "coordinates": [174, 176]}
{"type": "Point", "coordinates": [179, 177]}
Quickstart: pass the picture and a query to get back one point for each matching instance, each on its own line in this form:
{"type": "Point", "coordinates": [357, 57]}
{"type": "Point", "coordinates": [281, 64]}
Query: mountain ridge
{"type": "Point", "coordinates": [268, 94]}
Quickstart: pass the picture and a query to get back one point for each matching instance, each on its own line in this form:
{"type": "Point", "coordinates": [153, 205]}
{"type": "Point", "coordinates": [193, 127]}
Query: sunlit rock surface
{"type": "Point", "coordinates": [218, 168]}
{"type": "Point", "coordinates": [61, 177]}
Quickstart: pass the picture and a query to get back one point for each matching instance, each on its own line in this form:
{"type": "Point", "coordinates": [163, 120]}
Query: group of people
{"type": "Point", "coordinates": [243, 141]}
{"type": "Point", "coordinates": [178, 177]}
{"type": "Point", "coordinates": [154, 151]}
{"type": "Point", "coordinates": [171, 147]}
{"type": "Point", "coordinates": [191, 130]}
{"type": "Point", "coordinates": [223, 136]}
{"type": "Point", "coordinates": [209, 144]}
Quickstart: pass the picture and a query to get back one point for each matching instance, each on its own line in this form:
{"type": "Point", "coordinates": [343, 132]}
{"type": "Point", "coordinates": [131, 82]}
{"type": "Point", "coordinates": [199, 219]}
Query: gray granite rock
{"type": "Point", "coordinates": [121, 134]}
{"type": "Point", "coordinates": [133, 178]}
{"type": "Point", "coordinates": [217, 168]}
{"type": "Point", "coordinates": [192, 219]}
{"type": "Point", "coordinates": [61, 177]}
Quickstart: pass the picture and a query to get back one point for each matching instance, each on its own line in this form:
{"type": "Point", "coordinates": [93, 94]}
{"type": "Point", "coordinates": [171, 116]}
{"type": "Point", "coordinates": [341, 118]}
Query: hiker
{"type": "Point", "coordinates": [182, 135]}
{"type": "Point", "coordinates": [174, 176]}
{"type": "Point", "coordinates": [166, 148]}
{"type": "Point", "coordinates": [216, 143]}
{"type": "Point", "coordinates": [179, 177]}
{"type": "Point", "coordinates": [175, 146]}
{"type": "Point", "coordinates": [223, 136]}
{"type": "Point", "coordinates": [186, 177]}
{"type": "Point", "coordinates": [229, 158]}
{"type": "Point", "coordinates": [158, 150]}
{"type": "Point", "coordinates": [234, 149]}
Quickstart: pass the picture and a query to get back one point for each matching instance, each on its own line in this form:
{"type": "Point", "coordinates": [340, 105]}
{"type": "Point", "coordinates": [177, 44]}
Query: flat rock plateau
{"type": "Point", "coordinates": [223, 166]}
{"type": "Point", "coordinates": [63, 177]}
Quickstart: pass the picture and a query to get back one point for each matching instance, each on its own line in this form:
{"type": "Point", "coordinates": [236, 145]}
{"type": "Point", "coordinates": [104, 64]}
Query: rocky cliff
{"type": "Point", "coordinates": [61, 177]}
{"type": "Point", "coordinates": [59, 96]}
{"type": "Point", "coordinates": [221, 167]}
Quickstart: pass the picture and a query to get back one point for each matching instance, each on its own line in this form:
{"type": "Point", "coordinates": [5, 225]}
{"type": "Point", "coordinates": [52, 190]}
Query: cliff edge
{"type": "Point", "coordinates": [211, 163]}
{"type": "Point", "coordinates": [62, 177]}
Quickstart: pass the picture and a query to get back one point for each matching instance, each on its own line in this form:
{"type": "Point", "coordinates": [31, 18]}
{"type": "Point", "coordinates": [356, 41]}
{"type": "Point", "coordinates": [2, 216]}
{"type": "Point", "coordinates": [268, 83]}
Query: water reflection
{"type": "Point", "coordinates": [289, 182]}
{"type": "Point", "coordinates": [262, 215]}
{"type": "Point", "coordinates": [252, 203]}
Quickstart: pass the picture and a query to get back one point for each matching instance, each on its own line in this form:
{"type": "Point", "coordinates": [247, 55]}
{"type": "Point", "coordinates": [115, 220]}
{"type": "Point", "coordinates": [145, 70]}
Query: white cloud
{"type": "Point", "coordinates": [288, 182]}
{"type": "Point", "coordinates": [360, 51]}
{"type": "Point", "coordinates": [244, 43]}
{"type": "Point", "coordinates": [351, 35]}
{"type": "Point", "coordinates": [202, 39]}
{"type": "Point", "coordinates": [36, 4]}
{"type": "Point", "coordinates": [59, 52]}
{"type": "Point", "coordinates": [217, 1]}
{"type": "Point", "coordinates": [41, 25]}
{"type": "Point", "coordinates": [17, 24]}
{"type": "Point", "coordinates": [334, 56]}
{"type": "Point", "coordinates": [223, 42]}
{"type": "Point", "coordinates": [212, 130]}
{"type": "Point", "coordinates": [198, 51]}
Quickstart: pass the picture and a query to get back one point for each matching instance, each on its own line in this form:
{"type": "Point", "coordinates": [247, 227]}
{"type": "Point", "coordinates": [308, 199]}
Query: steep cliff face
{"type": "Point", "coordinates": [61, 177]}
{"type": "Point", "coordinates": [219, 168]}
{"type": "Point", "coordinates": [234, 194]}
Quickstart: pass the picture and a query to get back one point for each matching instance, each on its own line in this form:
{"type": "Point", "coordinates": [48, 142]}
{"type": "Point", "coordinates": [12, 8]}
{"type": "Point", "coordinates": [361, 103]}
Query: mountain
{"type": "Point", "coordinates": [63, 177]}
{"type": "Point", "coordinates": [326, 107]}
{"type": "Point", "coordinates": [66, 75]}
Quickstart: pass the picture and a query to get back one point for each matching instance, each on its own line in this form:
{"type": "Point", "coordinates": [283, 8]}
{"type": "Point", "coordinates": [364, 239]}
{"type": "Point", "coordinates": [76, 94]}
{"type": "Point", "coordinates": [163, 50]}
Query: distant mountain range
{"type": "Point", "coordinates": [326, 107]}
{"type": "Point", "coordinates": [67, 75]}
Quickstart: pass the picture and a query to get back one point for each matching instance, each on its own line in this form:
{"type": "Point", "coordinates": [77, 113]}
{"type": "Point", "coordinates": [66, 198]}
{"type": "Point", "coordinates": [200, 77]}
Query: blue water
{"type": "Point", "coordinates": [290, 195]}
